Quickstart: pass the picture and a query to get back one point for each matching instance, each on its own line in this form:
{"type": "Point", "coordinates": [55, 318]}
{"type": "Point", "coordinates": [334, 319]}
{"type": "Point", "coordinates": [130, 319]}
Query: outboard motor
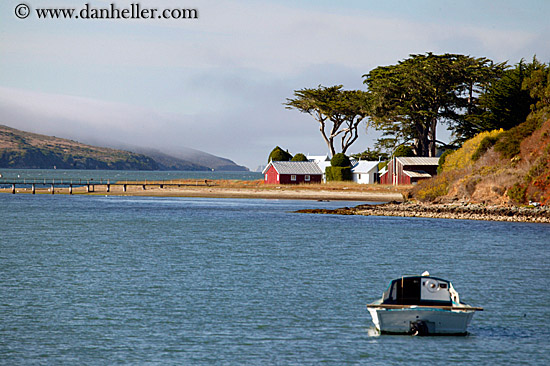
{"type": "Point", "coordinates": [420, 328]}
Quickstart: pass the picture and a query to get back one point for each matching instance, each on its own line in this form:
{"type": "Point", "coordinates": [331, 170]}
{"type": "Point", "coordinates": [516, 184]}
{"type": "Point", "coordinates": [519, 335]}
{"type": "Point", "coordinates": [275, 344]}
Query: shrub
{"type": "Point", "coordinates": [328, 174]}
{"type": "Point", "coordinates": [484, 145]}
{"type": "Point", "coordinates": [299, 157]}
{"type": "Point", "coordinates": [340, 160]}
{"type": "Point", "coordinates": [278, 154]}
{"type": "Point", "coordinates": [340, 169]}
{"type": "Point", "coordinates": [509, 143]}
{"type": "Point", "coordinates": [430, 189]}
{"type": "Point", "coordinates": [442, 160]}
{"type": "Point", "coordinates": [517, 193]}
{"type": "Point", "coordinates": [338, 173]}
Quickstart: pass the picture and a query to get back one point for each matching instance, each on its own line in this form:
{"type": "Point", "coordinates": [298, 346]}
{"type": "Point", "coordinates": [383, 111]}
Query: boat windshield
{"type": "Point", "coordinates": [417, 291]}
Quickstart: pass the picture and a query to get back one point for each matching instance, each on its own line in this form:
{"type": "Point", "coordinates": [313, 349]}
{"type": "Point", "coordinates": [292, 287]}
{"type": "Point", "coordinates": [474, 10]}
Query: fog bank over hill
{"type": "Point", "coordinates": [21, 149]}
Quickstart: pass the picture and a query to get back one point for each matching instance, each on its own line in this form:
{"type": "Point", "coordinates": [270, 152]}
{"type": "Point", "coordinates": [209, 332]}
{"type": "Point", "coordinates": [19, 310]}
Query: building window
{"type": "Point", "coordinates": [293, 178]}
{"type": "Point", "coordinates": [266, 177]}
{"type": "Point", "coordinates": [307, 178]}
{"type": "Point", "coordinates": [358, 176]}
{"type": "Point", "coordinates": [277, 177]}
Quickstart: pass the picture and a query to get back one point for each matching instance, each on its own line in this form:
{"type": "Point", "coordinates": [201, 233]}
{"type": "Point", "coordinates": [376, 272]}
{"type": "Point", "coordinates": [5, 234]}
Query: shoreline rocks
{"type": "Point", "coordinates": [539, 214]}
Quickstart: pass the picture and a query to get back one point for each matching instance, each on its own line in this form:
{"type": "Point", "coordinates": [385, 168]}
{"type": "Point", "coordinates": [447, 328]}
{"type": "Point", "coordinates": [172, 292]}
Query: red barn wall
{"type": "Point", "coordinates": [271, 175]}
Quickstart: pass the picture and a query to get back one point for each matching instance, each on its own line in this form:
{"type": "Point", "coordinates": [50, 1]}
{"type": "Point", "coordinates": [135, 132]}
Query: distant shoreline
{"type": "Point", "coordinates": [216, 191]}
{"type": "Point", "coordinates": [391, 200]}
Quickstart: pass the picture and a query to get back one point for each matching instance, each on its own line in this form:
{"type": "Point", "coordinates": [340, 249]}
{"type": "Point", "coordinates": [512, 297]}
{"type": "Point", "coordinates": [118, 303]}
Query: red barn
{"type": "Point", "coordinates": [292, 172]}
{"type": "Point", "coordinates": [403, 170]}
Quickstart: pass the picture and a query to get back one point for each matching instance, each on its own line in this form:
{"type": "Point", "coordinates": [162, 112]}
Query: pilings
{"type": "Point", "coordinates": [68, 186]}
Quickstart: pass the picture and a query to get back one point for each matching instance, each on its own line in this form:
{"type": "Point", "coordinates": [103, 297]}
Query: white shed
{"type": "Point", "coordinates": [365, 172]}
{"type": "Point", "coordinates": [323, 161]}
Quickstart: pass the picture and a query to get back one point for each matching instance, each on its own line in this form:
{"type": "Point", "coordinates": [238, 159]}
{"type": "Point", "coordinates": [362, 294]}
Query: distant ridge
{"type": "Point", "coordinates": [27, 150]}
{"type": "Point", "coordinates": [172, 158]}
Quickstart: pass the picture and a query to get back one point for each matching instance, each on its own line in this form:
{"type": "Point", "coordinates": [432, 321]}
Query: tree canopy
{"type": "Point", "coordinates": [338, 112]}
{"type": "Point", "coordinates": [505, 104]}
{"type": "Point", "coordinates": [409, 99]}
{"type": "Point", "coordinates": [371, 155]}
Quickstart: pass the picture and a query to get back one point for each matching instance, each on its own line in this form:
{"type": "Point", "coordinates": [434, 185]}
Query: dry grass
{"type": "Point", "coordinates": [259, 184]}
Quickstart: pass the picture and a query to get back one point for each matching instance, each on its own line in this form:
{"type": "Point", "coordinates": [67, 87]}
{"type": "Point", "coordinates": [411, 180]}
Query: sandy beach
{"type": "Point", "coordinates": [236, 189]}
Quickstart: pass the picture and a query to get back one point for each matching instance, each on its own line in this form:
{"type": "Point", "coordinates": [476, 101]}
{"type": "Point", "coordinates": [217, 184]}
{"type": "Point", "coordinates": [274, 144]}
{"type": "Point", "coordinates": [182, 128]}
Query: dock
{"type": "Point", "coordinates": [102, 185]}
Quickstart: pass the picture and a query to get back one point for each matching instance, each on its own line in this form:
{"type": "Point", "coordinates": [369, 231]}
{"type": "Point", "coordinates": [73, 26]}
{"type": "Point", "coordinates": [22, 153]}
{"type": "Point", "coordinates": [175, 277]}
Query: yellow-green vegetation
{"type": "Point", "coordinates": [470, 151]}
{"type": "Point", "coordinates": [479, 172]}
{"type": "Point", "coordinates": [433, 188]}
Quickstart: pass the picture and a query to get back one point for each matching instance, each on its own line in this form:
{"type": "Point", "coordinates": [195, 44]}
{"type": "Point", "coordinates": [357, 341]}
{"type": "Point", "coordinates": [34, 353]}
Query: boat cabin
{"type": "Point", "coordinates": [419, 290]}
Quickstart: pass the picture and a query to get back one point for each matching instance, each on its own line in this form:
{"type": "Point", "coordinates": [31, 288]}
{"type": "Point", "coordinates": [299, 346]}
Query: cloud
{"type": "Point", "coordinates": [217, 84]}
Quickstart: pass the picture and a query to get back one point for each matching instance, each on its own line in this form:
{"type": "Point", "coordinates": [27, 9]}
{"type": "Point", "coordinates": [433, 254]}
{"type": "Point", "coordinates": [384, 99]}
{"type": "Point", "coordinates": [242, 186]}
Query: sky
{"type": "Point", "coordinates": [218, 83]}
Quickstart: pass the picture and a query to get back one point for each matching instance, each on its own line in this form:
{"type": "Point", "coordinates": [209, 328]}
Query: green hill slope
{"type": "Point", "coordinates": [25, 150]}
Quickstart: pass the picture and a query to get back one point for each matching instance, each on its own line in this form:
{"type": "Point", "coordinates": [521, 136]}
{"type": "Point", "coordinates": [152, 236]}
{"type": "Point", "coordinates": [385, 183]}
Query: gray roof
{"type": "Point", "coordinates": [363, 166]}
{"type": "Point", "coordinates": [418, 161]}
{"type": "Point", "coordinates": [294, 167]}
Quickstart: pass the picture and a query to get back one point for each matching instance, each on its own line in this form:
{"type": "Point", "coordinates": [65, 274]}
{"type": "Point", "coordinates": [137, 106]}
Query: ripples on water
{"type": "Point", "coordinates": [101, 280]}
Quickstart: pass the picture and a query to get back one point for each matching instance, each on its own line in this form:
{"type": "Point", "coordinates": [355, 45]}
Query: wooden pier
{"type": "Point", "coordinates": [91, 184]}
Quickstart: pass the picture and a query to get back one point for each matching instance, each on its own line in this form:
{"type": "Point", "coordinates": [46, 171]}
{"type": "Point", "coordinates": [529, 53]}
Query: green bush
{"type": "Point", "coordinates": [338, 173]}
{"type": "Point", "coordinates": [328, 174]}
{"type": "Point", "coordinates": [517, 193]}
{"type": "Point", "coordinates": [278, 154]}
{"type": "Point", "coordinates": [340, 160]}
{"type": "Point", "coordinates": [508, 145]}
{"type": "Point", "coordinates": [299, 157]}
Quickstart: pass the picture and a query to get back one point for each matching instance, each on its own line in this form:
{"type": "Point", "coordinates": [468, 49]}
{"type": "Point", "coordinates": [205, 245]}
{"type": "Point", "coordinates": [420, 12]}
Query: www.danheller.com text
{"type": "Point", "coordinates": [112, 11]}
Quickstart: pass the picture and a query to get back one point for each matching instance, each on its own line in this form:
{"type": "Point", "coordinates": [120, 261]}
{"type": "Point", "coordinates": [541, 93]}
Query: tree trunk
{"type": "Point", "coordinates": [432, 137]}
{"type": "Point", "coordinates": [329, 141]}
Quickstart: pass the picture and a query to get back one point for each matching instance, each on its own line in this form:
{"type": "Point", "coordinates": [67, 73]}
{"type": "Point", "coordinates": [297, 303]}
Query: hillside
{"type": "Point", "coordinates": [174, 159]}
{"type": "Point", "coordinates": [498, 167]}
{"type": "Point", "coordinates": [20, 149]}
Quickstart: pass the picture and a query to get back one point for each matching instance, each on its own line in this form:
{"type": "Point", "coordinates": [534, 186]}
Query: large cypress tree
{"type": "Point", "coordinates": [339, 112]}
{"type": "Point", "coordinates": [410, 98]}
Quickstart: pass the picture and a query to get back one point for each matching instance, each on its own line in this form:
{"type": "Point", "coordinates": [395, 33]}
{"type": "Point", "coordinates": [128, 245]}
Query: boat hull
{"type": "Point", "coordinates": [435, 321]}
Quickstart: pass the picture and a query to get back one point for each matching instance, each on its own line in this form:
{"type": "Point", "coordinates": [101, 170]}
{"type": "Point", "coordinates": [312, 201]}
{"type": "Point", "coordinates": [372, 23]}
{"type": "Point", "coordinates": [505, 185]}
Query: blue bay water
{"type": "Point", "coordinates": [156, 281]}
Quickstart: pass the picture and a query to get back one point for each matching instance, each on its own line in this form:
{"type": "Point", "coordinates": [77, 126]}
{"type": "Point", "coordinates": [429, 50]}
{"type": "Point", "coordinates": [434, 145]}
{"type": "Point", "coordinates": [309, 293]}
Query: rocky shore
{"type": "Point", "coordinates": [445, 211]}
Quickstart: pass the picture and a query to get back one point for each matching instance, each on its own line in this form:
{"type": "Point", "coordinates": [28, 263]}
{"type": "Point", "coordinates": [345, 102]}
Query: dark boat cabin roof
{"type": "Point", "coordinates": [418, 290]}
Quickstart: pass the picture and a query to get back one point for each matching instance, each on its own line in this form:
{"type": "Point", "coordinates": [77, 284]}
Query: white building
{"type": "Point", "coordinates": [322, 161]}
{"type": "Point", "coordinates": [365, 172]}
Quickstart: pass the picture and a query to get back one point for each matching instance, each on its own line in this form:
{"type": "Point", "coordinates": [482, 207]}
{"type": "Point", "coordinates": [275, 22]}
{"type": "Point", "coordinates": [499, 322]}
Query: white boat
{"type": "Point", "coordinates": [421, 305]}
